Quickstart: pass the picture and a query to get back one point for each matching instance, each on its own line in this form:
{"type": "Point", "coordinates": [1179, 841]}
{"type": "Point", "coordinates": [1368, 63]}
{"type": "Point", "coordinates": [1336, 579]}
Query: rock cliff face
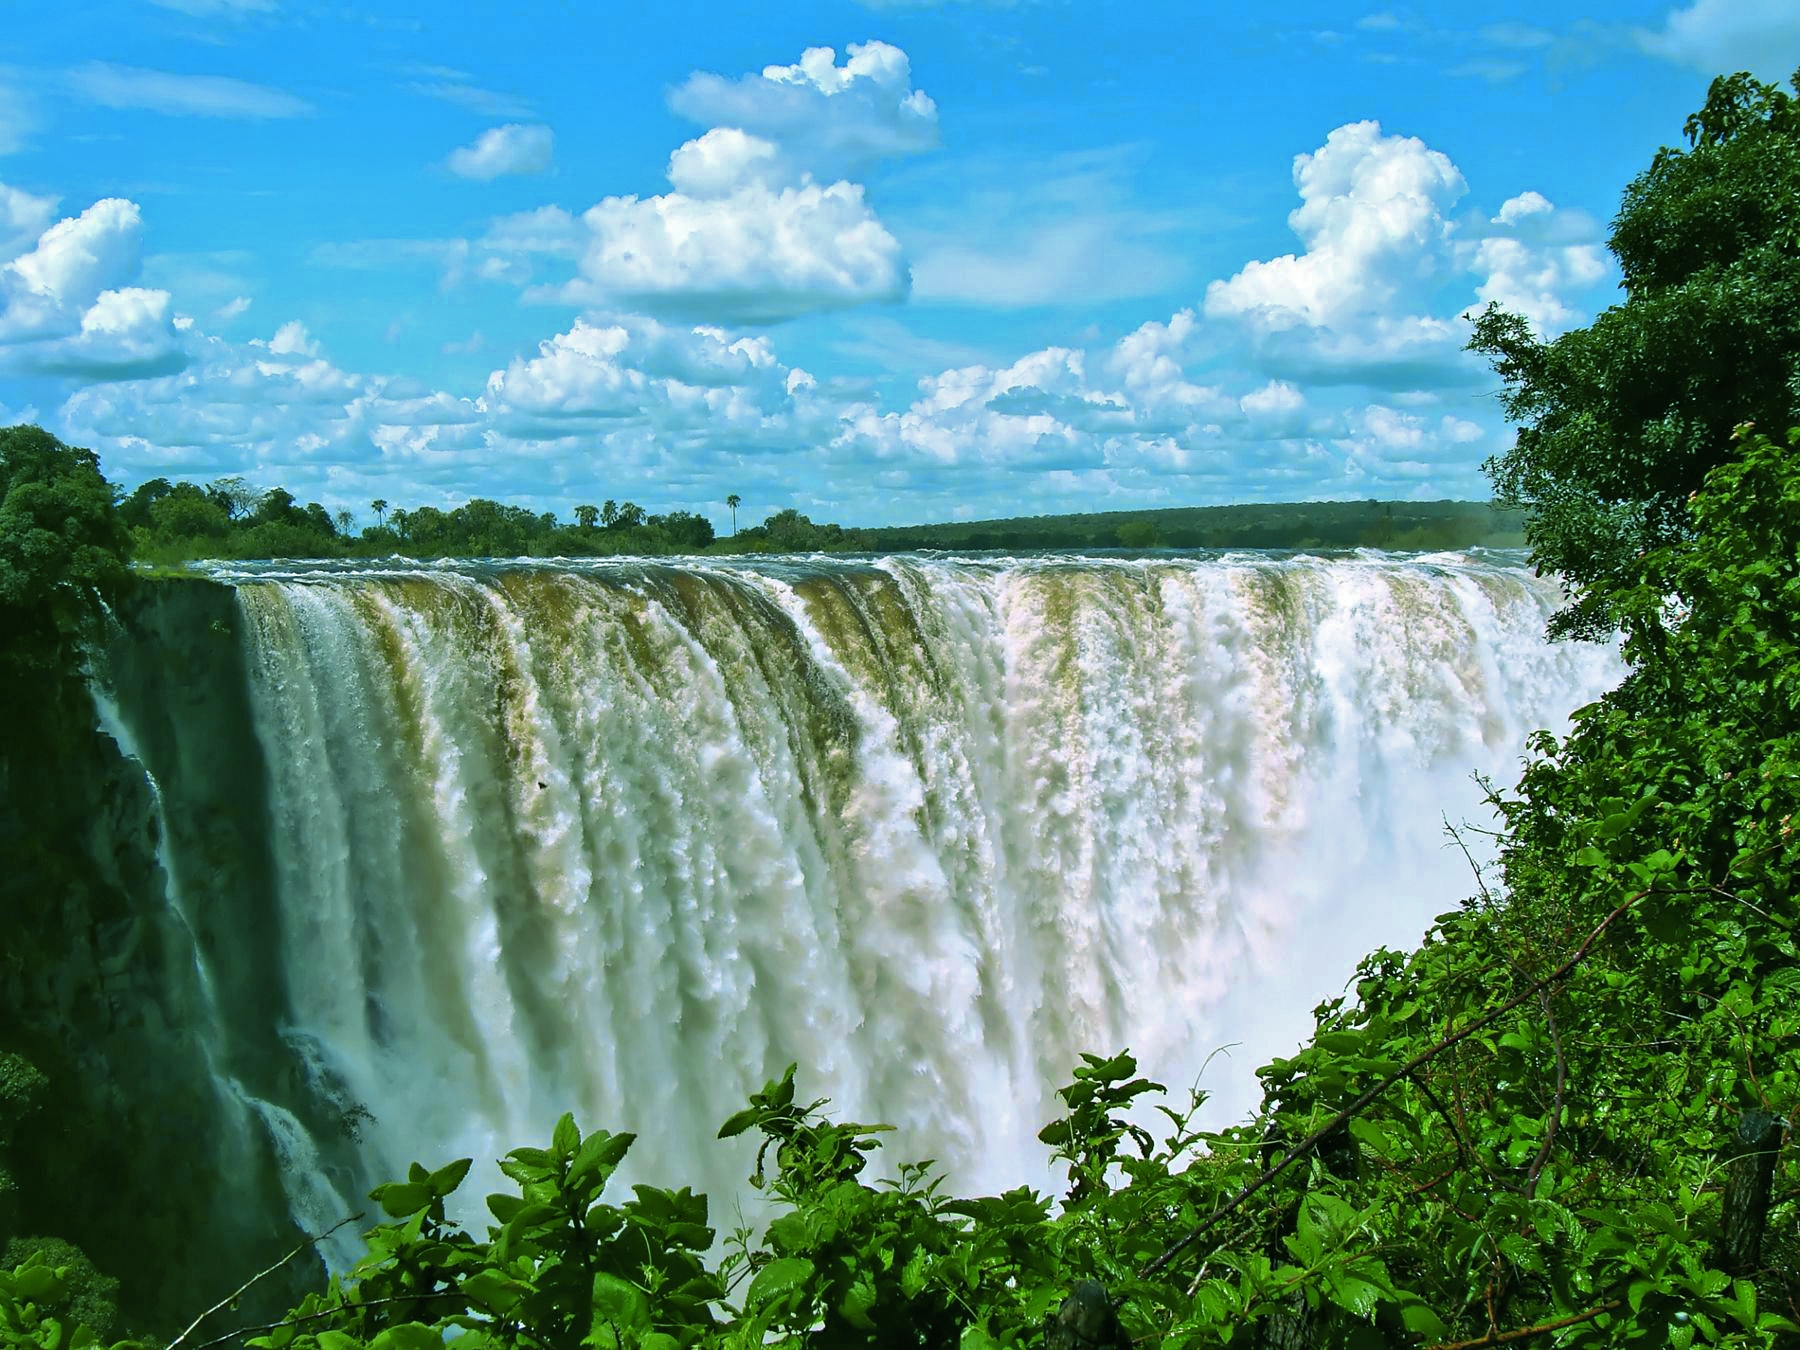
{"type": "Point", "coordinates": [141, 1148]}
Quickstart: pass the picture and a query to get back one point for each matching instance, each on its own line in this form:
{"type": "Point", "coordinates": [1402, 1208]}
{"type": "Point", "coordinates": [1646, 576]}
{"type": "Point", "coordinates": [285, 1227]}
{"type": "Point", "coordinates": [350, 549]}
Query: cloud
{"type": "Point", "coordinates": [1383, 445]}
{"type": "Point", "coordinates": [68, 305]}
{"type": "Point", "coordinates": [1532, 265]}
{"type": "Point", "coordinates": [1334, 370]}
{"type": "Point", "coordinates": [1717, 37]}
{"type": "Point", "coordinates": [757, 229]}
{"type": "Point", "coordinates": [458, 87]}
{"type": "Point", "coordinates": [23, 217]}
{"type": "Point", "coordinates": [1386, 272]}
{"type": "Point", "coordinates": [830, 120]}
{"type": "Point", "coordinates": [126, 334]}
{"type": "Point", "coordinates": [758, 255]}
{"type": "Point", "coordinates": [509, 149]}
{"type": "Point", "coordinates": [47, 288]}
{"type": "Point", "coordinates": [687, 412]}
{"type": "Point", "coordinates": [231, 309]}
{"type": "Point", "coordinates": [1372, 219]}
{"type": "Point", "coordinates": [722, 160]}
{"type": "Point", "coordinates": [182, 95]}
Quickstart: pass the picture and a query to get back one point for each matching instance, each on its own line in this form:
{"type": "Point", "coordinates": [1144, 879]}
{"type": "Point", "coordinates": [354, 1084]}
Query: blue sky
{"type": "Point", "coordinates": [885, 262]}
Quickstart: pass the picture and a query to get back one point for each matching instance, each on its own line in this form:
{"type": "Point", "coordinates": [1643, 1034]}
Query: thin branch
{"type": "Point", "coordinates": [260, 1275]}
{"type": "Point", "coordinates": [1481, 881]}
{"type": "Point", "coordinates": [1556, 1108]}
{"type": "Point", "coordinates": [1462, 1150]}
{"type": "Point", "coordinates": [1441, 1177]}
{"type": "Point", "coordinates": [1337, 1122]}
{"type": "Point", "coordinates": [330, 1312]}
{"type": "Point", "coordinates": [1752, 907]}
{"type": "Point", "coordinates": [1520, 1333]}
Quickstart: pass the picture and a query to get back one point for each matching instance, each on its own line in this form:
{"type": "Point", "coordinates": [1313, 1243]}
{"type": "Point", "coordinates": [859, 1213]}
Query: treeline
{"type": "Point", "coordinates": [172, 522]}
{"type": "Point", "coordinates": [175, 522]}
{"type": "Point", "coordinates": [1275, 525]}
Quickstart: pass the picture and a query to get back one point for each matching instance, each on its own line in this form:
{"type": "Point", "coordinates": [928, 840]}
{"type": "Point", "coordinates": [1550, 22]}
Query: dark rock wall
{"type": "Point", "coordinates": [150, 1024]}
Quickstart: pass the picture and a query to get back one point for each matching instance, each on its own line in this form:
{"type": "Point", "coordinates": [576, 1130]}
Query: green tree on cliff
{"type": "Point", "coordinates": [62, 544]}
{"type": "Point", "coordinates": [1620, 421]}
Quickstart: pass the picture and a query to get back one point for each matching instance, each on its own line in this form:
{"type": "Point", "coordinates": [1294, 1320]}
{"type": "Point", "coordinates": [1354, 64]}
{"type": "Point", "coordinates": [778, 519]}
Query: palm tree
{"type": "Point", "coordinates": [379, 507]}
{"type": "Point", "coordinates": [733, 502]}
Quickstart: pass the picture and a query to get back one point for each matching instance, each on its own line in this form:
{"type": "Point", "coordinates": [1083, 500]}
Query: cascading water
{"type": "Point", "coordinates": [251, 1123]}
{"type": "Point", "coordinates": [626, 839]}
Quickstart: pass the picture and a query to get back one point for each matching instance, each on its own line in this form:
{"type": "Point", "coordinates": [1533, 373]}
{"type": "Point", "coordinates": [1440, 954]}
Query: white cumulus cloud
{"type": "Point", "coordinates": [1537, 260]}
{"type": "Point", "coordinates": [1372, 217]}
{"type": "Point", "coordinates": [757, 255]}
{"type": "Point", "coordinates": [1382, 288]}
{"type": "Point", "coordinates": [509, 149]}
{"type": "Point", "coordinates": [829, 119]}
{"type": "Point", "coordinates": [759, 226]}
{"type": "Point", "coordinates": [722, 160]}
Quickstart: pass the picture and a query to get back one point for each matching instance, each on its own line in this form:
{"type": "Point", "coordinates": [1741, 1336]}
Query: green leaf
{"type": "Point", "coordinates": [409, 1336]}
{"type": "Point", "coordinates": [618, 1303]}
{"type": "Point", "coordinates": [778, 1279]}
{"type": "Point", "coordinates": [37, 1284]}
{"type": "Point", "coordinates": [1420, 1319]}
{"type": "Point", "coordinates": [857, 1300]}
{"type": "Point", "coordinates": [398, 1199]}
{"type": "Point", "coordinates": [1352, 1294]}
{"type": "Point", "coordinates": [566, 1138]}
{"type": "Point", "coordinates": [599, 1152]}
{"type": "Point", "coordinates": [447, 1178]}
{"type": "Point", "coordinates": [740, 1121]}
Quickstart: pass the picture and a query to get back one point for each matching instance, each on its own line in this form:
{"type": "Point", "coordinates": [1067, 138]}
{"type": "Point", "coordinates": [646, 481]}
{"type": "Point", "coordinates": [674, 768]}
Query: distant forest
{"type": "Point", "coordinates": [177, 522]}
{"type": "Point", "coordinates": [1277, 525]}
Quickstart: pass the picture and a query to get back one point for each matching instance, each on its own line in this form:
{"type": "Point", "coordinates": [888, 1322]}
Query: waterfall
{"type": "Point", "coordinates": [250, 1123]}
{"type": "Point", "coordinates": [625, 838]}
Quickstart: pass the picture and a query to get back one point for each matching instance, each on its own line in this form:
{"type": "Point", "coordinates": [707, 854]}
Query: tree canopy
{"type": "Point", "coordinates": [62, 544]}
{"type": "Point", "coordinates": [1621, 420]}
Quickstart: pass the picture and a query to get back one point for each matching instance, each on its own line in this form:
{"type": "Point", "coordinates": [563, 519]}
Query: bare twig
{"type": "Point", "coordinates": [255, 1279]}
{"type": "Point", "coordinates": [1475, 867]}
{"type": "Point", "coordinates": [1520, 1333]}
{"type": "Point", "coordinates": [1556, 1107]}
{"type": "Point", "coordinates": [1337, 1122]}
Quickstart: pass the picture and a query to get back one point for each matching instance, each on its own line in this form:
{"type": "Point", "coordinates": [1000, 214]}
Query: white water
{"type": "Point", "coordinates": [627, 839]}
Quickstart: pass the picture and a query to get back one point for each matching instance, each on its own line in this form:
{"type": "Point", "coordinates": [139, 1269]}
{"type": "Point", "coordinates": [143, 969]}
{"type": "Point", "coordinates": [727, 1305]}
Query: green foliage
{"type": "Point", "coordinates": [61, 546]}
{"type": "Point", "coordinates": [1620, 421]}
{"type": "Point", "coordinates": [42, 1305]}
{"type": "Point", "coordinates": [86, 1297]}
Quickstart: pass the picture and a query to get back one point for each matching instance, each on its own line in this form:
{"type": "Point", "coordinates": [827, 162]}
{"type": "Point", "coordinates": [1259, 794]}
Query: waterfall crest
{"type": "Point", "coordinates": [625, 839]}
